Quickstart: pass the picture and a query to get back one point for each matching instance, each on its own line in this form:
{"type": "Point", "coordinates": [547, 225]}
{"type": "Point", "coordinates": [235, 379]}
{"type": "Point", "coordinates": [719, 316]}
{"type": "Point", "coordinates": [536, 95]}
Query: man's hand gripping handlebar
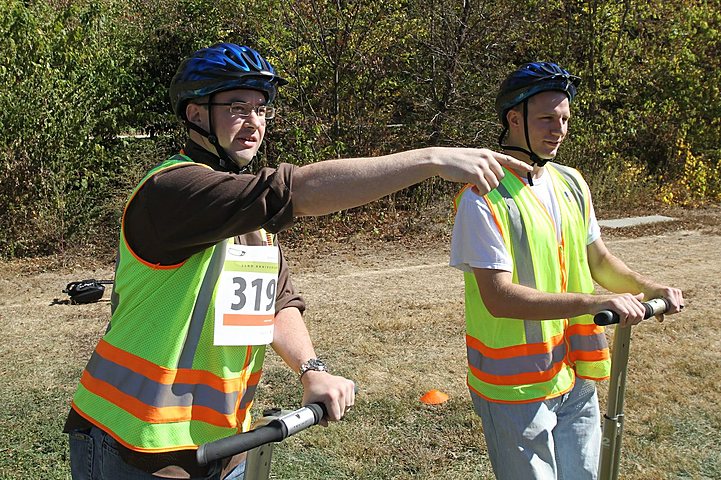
{"type": "Point", "coordinates": [653, 307]}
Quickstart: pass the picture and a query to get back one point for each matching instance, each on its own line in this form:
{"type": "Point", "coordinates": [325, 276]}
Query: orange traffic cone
{"type": "Point", "coordinates": [434, 397]}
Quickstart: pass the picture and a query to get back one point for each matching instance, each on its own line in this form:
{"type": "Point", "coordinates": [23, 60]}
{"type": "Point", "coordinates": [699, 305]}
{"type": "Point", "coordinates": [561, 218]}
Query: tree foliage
{"type": "Point", "coordinates": [62, 104]}
{"type": "Point", "coordinates": [366, 78]}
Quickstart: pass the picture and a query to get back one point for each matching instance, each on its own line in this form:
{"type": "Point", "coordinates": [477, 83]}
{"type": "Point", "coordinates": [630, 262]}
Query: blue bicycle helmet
{"type": "Point", "coordinates": [224, 66]}
{"type": "Point", "coordinates": [531, 79]}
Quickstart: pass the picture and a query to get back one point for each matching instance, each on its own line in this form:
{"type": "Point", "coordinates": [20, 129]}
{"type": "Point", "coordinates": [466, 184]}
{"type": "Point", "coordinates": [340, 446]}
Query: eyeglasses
{"type": "Point", "coordinates": [244, 109]}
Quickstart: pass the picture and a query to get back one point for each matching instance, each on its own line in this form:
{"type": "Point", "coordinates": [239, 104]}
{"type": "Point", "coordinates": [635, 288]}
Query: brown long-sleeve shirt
{"type": "Point", "coordinates": [184, 210]}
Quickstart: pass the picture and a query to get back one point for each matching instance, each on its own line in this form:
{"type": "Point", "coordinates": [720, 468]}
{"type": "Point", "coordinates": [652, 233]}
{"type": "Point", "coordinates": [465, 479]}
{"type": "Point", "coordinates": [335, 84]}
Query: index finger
{"type": "Point", "coordinates": [334, 410]}
{"type": "Point", "coordinates": [512, 163]}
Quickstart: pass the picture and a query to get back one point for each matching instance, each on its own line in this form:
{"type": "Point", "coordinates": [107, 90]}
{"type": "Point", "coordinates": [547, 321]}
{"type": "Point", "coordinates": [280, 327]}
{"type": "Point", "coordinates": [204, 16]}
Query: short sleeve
{"type": "Point", "coordinates": [594, 230]}
{"type": "Point", "coordinates": [476, 241]}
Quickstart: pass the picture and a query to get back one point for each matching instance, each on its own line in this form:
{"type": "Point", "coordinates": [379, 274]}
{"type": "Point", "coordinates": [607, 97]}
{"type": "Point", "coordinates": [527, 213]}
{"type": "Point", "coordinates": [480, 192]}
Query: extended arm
{"type": "Point", "coordinates": [292, 343]}
{"type": "Point", "coordinates": [333, 185]}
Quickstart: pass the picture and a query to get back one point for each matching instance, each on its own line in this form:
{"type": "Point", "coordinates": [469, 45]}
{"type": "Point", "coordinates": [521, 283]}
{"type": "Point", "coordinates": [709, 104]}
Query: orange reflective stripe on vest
{"type": "Point", "coordinates": [516, 365]}
{"type": "Point", "coordinates": [156, 394]}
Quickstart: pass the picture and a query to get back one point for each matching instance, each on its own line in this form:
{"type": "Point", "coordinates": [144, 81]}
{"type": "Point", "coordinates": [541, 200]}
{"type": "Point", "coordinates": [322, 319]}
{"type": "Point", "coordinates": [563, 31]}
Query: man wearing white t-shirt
{"type": "Point", "coordinates": [530, 252]}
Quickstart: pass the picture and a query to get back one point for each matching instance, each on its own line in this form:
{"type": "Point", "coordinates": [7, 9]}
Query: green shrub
{"type": "Point", "coordinates": [365, 79]}
{"type": "Point", "coordinates": [60, 113]}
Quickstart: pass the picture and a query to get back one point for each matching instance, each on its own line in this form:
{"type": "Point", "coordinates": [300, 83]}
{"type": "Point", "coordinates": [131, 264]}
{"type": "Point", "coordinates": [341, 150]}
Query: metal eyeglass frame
{"type": "Point", "coordinates": [244, 109]}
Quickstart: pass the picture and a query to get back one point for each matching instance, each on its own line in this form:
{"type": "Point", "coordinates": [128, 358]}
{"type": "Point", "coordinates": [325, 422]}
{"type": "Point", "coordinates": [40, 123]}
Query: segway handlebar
{"type": "Point", "coordinates": [653, 307]}
{"type": "Point", "coordinates": [275, 431]}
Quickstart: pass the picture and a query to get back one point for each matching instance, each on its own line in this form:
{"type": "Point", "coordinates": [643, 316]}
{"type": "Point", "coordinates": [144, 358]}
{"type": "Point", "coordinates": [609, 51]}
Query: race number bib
{"type": "Point", "coordinates": [245, 296]}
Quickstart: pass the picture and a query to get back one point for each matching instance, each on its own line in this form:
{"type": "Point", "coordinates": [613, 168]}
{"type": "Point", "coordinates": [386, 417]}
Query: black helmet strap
{"type": "Point", "coordinates": [535, 159]}
{"type": "Point", "coordinates": [223, 158]}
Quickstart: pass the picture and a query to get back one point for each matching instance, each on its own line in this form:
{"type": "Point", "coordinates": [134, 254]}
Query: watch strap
{"type": "Point", "coordinates": [314, 364]}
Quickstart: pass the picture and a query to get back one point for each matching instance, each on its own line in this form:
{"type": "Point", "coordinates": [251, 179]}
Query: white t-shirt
{"type": "Point", "coordinates": [476, 241]}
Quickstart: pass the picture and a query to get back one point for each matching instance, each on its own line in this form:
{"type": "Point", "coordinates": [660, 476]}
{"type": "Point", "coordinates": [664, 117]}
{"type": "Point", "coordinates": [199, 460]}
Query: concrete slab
{"type": "Point", "coordinates": [633, 221]}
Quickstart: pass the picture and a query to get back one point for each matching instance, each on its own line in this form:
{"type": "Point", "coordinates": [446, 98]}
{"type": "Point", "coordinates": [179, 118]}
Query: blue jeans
{"type": "Point", "coordinates": [556, 439]}
{"type": "Point", "coordinates": [94, 456]}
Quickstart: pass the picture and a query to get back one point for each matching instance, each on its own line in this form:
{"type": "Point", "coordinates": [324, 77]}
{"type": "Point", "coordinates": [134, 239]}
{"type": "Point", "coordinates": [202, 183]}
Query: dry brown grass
{"type": "Point", "coordinates": [390, 316]}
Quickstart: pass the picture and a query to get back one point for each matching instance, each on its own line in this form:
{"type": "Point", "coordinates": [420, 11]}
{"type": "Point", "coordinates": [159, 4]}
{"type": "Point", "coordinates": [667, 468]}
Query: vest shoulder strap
{"type": "Point", "coordinates": [576, 184]}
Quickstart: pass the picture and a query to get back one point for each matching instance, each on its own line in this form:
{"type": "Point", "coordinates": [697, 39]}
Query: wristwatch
{"type": "Point", "coordinates": [315, 364]}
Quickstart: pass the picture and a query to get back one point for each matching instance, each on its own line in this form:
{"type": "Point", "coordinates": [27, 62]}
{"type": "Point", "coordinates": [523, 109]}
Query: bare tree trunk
{"type": "Point", "coordinates": [443, 99]}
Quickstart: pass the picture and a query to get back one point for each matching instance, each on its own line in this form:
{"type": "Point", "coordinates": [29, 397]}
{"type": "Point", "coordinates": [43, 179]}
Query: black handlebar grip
{"type": "Point", "coordinates": [275, 431]}
{"type": "Point", "coordinates": [653, 307]}
{"type": "Point", "coordinates": [229, 446]}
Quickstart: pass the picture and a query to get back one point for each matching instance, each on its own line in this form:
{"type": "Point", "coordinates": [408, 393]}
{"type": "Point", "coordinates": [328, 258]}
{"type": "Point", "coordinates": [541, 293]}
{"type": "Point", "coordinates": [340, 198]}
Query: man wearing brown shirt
{"type": "Point", "coordinates": [201, 284]}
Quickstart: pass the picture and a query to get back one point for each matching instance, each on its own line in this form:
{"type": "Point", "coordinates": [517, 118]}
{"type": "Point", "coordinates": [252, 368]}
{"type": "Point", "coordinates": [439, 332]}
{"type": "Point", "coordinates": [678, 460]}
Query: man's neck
{"type": "Point", "coordinates": [208, 154]}
{"type": "Point", "coordinates": [200, 154]}
{"type": "Point", "coordinates": [537, 170]}
{"type": "Point", "coordinates": [203, 142]}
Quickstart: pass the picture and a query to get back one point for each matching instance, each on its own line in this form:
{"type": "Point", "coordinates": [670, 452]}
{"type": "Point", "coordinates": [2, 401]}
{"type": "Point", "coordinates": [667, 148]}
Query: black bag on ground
{"type": "Point", "coordinates": [86, 291]}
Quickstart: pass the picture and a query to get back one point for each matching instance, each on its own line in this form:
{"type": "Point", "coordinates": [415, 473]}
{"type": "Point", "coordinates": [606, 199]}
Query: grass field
{"type": "Point", "coordinates": [390, 316]}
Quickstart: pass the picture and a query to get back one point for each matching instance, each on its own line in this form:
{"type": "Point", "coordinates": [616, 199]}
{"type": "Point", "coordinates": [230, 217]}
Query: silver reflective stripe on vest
{"type": "Point", "coordinates": [588, 343]}
{"type": "Point", "coordinates": [541, 362]}
{"type": "Point", "coordinates": [247, 396]}
{"type": "Point", "coordinates": [523, 260]}
{"type": "Point", "coordinates": [201, 307]}
{"type": "Point", "coordinates": [575, 187]}
{"type": "Point", "coordinates": [519, 239]}
{"type": "Point", "coordinates": [157, 394]}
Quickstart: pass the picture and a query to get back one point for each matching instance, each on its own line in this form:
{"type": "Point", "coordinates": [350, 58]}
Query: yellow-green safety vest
{"type": "Point", "coordinates": [156, 382]}
{"type": "Point", "coordinates": [519, 361]}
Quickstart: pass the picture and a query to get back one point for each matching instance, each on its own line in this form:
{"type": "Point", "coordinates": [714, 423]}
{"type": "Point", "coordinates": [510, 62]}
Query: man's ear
{"type": "Point", "coordinates": [194, 113]}
{"type": "Point", "coordinates": [514, 116]}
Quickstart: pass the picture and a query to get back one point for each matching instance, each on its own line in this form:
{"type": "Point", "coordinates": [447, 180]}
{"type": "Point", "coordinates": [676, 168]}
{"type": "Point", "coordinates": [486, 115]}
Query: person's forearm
{"type": "Point", "coordinates": [613, 274]}
{"type": "Point", "coordinates": [333, 185]}
{"type": "Point", "coordinates": [292, 343]}
{"type": "Point", "coordinates": [517, 301]}
{"type": "Point", "coordinates": [505, 299]}
{"type": "Point", "coordinates": [291, 340]}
